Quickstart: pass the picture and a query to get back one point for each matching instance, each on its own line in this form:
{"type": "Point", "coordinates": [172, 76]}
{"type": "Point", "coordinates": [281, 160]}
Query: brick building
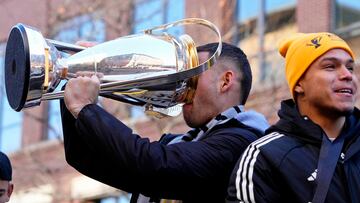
{"type": "Point", "coordinates": [41, 174]}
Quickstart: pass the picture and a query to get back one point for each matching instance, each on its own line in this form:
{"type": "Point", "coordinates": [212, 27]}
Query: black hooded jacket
{"type": "Point", "coordinates": [103, 148]}
{"type": "Point", "coordinates": [282, 166]}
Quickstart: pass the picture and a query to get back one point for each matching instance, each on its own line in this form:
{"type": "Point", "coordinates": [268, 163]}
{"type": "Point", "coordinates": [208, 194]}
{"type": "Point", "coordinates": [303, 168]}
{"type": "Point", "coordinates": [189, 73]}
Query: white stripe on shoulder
{"type": "Point", "coordinates": [244, 190]}
{"type": "Point", "coordinates": [245, 156]}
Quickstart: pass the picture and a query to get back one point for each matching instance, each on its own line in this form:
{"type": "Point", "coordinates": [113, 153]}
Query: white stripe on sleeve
{"type": "Point", "coordinates": [244, 174]}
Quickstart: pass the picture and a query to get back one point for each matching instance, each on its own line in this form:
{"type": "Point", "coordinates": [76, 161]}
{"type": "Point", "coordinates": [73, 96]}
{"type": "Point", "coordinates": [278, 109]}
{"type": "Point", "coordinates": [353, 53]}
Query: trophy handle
{"type": "Point", "coordinates": [188, 21]}
{"type": "Point", "coordinates": [62, 46]}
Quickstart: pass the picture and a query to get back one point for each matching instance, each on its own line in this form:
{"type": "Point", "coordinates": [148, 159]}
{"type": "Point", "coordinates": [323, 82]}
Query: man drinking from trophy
{"type": "Point", "coordinates": [192, 167]}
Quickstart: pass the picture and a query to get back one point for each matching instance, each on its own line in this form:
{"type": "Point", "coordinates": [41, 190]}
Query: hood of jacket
{"type": "Point", "coordinates": [293, 124]}
{"type": "Point", "coordinates": [253, 119]}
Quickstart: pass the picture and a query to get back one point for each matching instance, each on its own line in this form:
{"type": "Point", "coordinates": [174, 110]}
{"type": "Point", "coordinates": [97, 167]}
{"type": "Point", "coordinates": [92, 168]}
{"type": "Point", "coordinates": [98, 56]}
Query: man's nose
{"type": "Point", "coordinates": [345, 73]}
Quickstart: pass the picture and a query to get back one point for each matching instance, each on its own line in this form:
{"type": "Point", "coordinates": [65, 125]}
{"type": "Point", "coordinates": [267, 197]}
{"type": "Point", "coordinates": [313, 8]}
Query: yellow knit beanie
{"type": "Point", "coordinates": [300, 50]}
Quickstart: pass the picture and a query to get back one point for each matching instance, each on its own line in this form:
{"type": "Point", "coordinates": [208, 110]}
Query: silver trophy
{"type": "Point", "coordinates": [153, 69]}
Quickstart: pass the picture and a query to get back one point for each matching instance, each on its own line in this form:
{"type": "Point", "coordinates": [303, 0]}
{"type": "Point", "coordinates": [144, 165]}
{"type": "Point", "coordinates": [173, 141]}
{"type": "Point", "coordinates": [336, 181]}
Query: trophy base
{"type": "Point", "coordinates": [17, 65]}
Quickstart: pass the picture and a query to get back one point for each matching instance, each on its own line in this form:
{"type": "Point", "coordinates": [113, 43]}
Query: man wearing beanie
{"type": "Point", "coordinates": [312, 154]}
{"type": "Point", "coordinates": [6, 187]}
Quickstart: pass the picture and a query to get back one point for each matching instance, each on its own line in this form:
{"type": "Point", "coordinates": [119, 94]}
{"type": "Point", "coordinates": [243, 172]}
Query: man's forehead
{"type": "Point", "coordinates": [336, 54]}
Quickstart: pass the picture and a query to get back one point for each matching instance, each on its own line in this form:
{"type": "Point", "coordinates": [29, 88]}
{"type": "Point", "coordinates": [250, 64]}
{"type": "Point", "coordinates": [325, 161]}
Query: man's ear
{"type": "Point", "coordinates": [10, 190]}
{"type": "Point", "coordinates": [298, 88]}
{"type": "Point", "coordinates": [227, 80]}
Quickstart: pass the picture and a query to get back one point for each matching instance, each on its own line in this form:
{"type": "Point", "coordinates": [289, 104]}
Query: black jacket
{"type": "Point", "coordinates": [282, 166]}
{"type": "Point", "coordinates": [103, 148]}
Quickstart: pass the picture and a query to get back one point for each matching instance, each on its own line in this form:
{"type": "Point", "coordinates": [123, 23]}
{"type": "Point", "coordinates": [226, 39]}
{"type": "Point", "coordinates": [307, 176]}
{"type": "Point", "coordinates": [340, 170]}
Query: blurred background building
{"type": "Point", "coordinates": [33, 137]}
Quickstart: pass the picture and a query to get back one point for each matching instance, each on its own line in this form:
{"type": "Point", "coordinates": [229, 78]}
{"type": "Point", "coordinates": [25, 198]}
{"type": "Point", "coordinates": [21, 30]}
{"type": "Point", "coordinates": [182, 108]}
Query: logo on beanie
{"type": "Point", "coordinates": [315, 42]}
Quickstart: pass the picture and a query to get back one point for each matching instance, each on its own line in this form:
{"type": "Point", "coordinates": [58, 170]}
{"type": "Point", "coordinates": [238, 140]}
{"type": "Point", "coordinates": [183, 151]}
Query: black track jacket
{"type": "Point", "coordinates": [281, 167]}
{"type": "Point", "coordinates": [103, 148]}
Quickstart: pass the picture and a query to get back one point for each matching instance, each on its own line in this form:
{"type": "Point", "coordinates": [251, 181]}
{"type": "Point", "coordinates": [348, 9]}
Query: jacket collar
{"type": "Point", "coordinates": [291, 123]}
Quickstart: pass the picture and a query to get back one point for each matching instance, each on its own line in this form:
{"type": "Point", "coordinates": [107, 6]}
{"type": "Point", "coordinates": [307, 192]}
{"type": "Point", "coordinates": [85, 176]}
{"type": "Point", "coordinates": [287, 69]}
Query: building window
{"type": "Point", "coordinates": [151, 13]}
{"type": "Point", "coordinates": [347, 16]}
{"type": "Point", "coordinates": [10, 120]}
{"type": "Point", "coordinates": [85, 27]}
{"type": "Point", "coordinates": [247, 11]}
{"type": "Point", "coordinates": [277, 13]}
{"type": "Point", "coordinates": [278, 16]}
{"type": "Point", "coordinates": [54, 125]}
{"type": "Point", "coordinates": [346, 22]}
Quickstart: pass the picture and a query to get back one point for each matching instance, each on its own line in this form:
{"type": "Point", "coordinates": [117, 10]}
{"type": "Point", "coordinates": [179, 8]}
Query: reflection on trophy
{"type": "Point", "coordinates": [154, 69]}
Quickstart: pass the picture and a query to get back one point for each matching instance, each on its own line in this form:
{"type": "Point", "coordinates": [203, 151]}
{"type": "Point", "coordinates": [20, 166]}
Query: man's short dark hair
{"type": "Point", "coordinates": [5, 168]}
{"type": "Point", "coordinates": [238, 57]}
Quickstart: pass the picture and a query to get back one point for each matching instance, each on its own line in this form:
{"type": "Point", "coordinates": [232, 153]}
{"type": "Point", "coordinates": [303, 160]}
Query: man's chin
{"type": "Point", "coordinates": [348, 111]}
{"type": "Point", "coordinates": [345, 111]}
{"type": "Point", "coordinates": [189, 122]}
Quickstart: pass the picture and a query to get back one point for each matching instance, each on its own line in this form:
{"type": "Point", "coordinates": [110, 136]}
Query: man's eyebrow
{"type": "Point", "coordinates": [336, 59]}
